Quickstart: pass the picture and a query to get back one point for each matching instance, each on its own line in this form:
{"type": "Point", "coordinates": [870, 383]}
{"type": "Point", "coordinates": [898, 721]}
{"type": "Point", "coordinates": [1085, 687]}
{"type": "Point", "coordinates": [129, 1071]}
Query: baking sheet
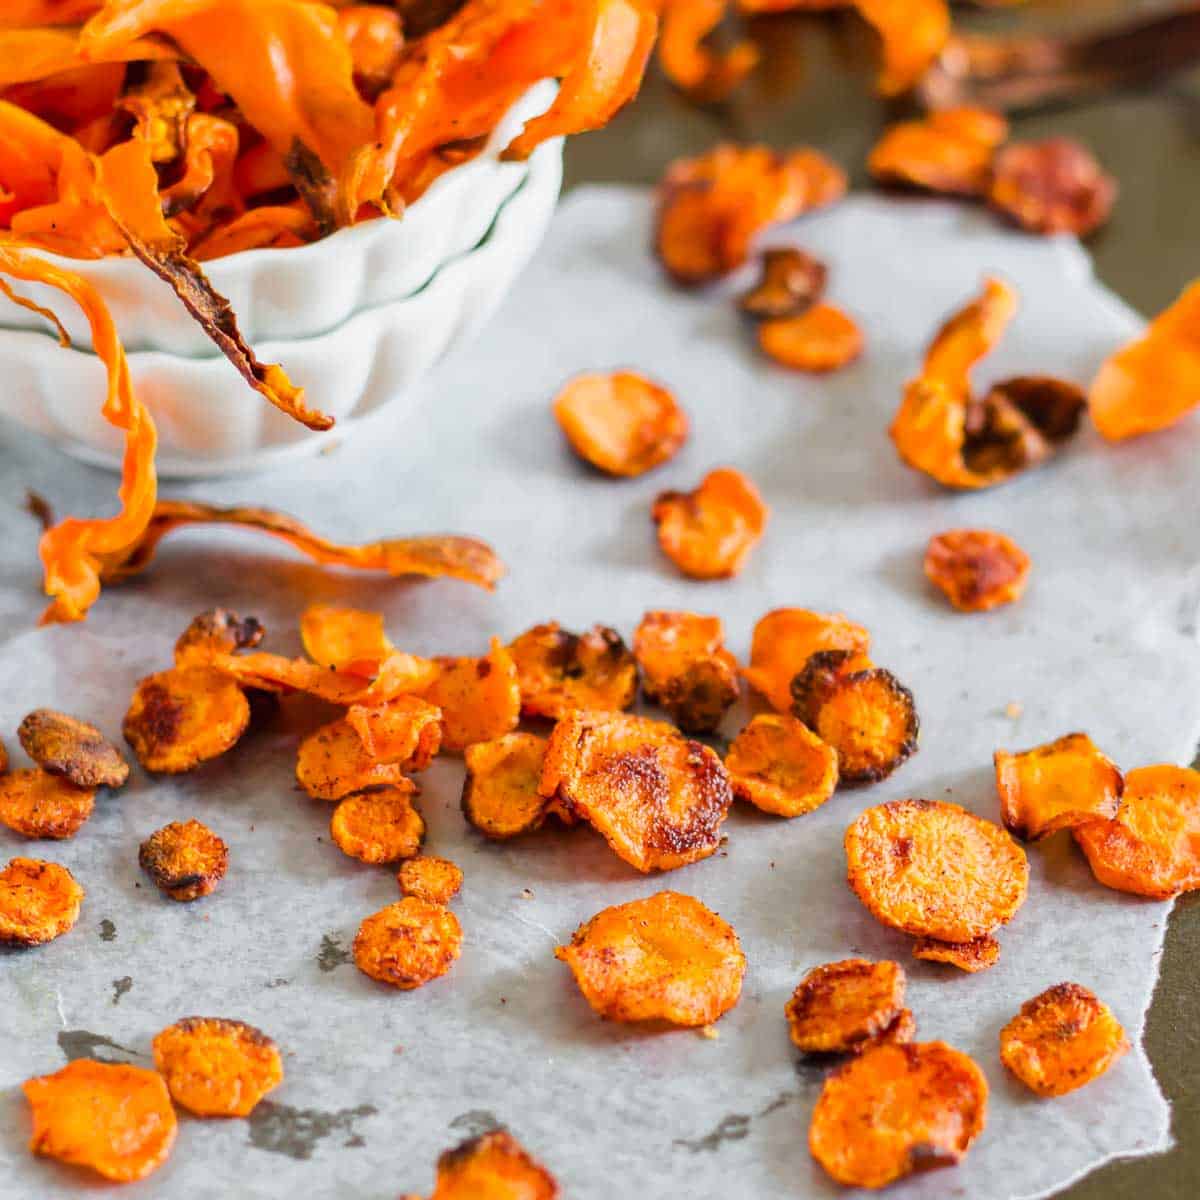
{"type": "Point", "coordinates": [378, 1082]}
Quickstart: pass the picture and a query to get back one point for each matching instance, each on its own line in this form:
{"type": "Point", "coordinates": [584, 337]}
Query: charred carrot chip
{"type": "Point", "coordinates": [709, 533]}
{"type": "Point", "coordinates": [1061, 1040]}
{"type": "Point", "coordinates": [408, 943]}
{"type": "Point", "coordinates": [493, 1164]}
{"type": "Point", "coordinates": [434, 880]}
{"type": "Point", "coordinates": [977, 569]}
{"type": "Point", "coordinates": [690, 64]}
{"type": "Point", "coordinates": [217, 631]}
{"type": "Point", "coordinates": [779, 765]}
{"type": "Point", "coordinates": [39, 901]}
{"type": "Point", "coordinates": [345, 639]}
{"type": "Point", "coordinates": [658, 799]}
{"type": "Point", "coordinates": [838, 1006]}
{"type": "Point", "coordinates": [897, 1109]}
{"type": "Point", "coordinates": [77, 751]}
{"type": "Point", "coordinates": [1062, 784]}
{"type": "Point", "coordinates": [500, 795]}
{"type": "Point", "coordinates": [821, 339]}
{"type": "Point", "coordinates": [480, 698]}
{"type": "Point", "coordinates": [111, 1117]}
{"type": "Point", "coordinates": [215, 1067]}
{"type": "Point", "coordinates": [902, 1030]}
{"type": "Point", "coordinates": [949, 151]}
{"type": "Point", "coordinates": [407, 730]}
{"type": "Point", "coordinates": [686, 668]}
{"type": "Point", "coordinates": [1055, 186]}
{"type": "Point", "coordinates": [559, 671]}
{"type": "Point", "coordinates": [1152, 846]}
{"type": "Point", "coordinates": [665, 958]}
{"type": "Point", "coordinates": [975, 955]}
{"type": "Point", "coordinates": [378, 827]}
{"type": "Point", "coordinates": [185, 859]}
{"type": "Point", "coordinates": [37, 804]}
{"type": "Point", "coordinates": [932, 869]}
{"type": "Point", "coordinates": [791, 283]}
{"type": "Point", "coordinates": [621, 422]}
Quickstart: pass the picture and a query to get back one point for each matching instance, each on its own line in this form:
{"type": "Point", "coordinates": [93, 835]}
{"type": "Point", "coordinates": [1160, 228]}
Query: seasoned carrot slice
{"type": "Point", "coordinates": [822, 338]}
{"type": "Point", "coordinates": [500, 794]}
{"type": "Point", "coordinates": [434, 880]}
{"type": "Point", "coordinates": [665, 958]}
{"type": "Point", "coordinates": [791, 282]}
{"type": "Point", "coordinates": [950, 151]}
{"type": "Point", "coordinates": [559, 671]}
{"type": "Point", "coordinates": [407, 730]}
{"type": "Point", "coordinates": [480, 698]}
{"type": "Point", "coordinates": [408, 943]}
{"type": "Point", "coordinates": [709, 533]}
{"type": "Point", "coordinates": [685, 58]}
{"type": "Point", "coordinates": [973, 956]}
{"type": "Point", "coordinates": [1062, 1039]}
{"type": "Point", "coordinates": [77, 751]}
{"type": "Point", "coordinates": [902, 1030]}
{"type": "Point", "coordinates": [39, 901]}
{"type": "Point", "coordinates": [36, 804]}
{"type": "Point", "coordinates": [896, 1109]}
{"type": "Point", "coordinates": [185, 859]}
{"type": "Point", "coordinates": [114, 1118]}
{"type": "Point", "coordinates": [658, 799]}
{"type": "Point", "coordinates": [932, 869]}
{"type": "Point", "coordinates": [977, 569]}
{"type": "Point", "coordinates": [495, 1165]}
{"type": "Point", "coordinates": [216, 1067]}
{"type": "Point", "coordinates": [779, 765]}
{"type": "Point", "coordinates": [621, 422]}
{"type": "Point", "coordinates": [345, 639]}
{"type": "Point", "coordinates": [1054, 186]}
{"type": "Point", "coordinates": [838, 1006]}
{"type": "Point", "coordinates": [217, 631]}
{"type": "Point", "coordinates": [686, 668]}
{"type": "Point", "coordinates": [378, 827]}
{"type": "Point", "coordinates": [1152, 846]}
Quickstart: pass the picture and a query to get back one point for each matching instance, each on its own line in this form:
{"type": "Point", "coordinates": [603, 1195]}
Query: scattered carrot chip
{"type": "Point", "coordinates": [691, 65]}
{"type": "Point", "coordinates": [973, 956]}
{"type": "Point", "coordinates": [658, 799]}
{"type": "Point", "coordinates": [495, 1165]}
{"type": "Point", "coordinates": [36, 804]}
{"type": "Point", "coordinates": [791, 282]}
{"type": "Point", "coordinates": [932, 869]}
{"type": "Point", "coordinates": [39, 901]}
{"type": "Point", "coordinates": [665, 958]}
{"type": "Point", "coordinates": [1055, 186]}
{"type": "Point", "coordinates": [407, 730]}
{"type": "Point", "coordinates": [977, 569]}
{"type": "Point", "coordinates": [408, 943]}
{"type": "Point", "coordinates": [838, 1006]}
{"type": "Point", "coordinates": [686, 668]}
{"type": "Point", "coordinates": [709, 533]}
{"type": "Point", "coordinates": [913, 33]}
{"type": "Point", "coordinates": [897, 1109]}
{"type": "Point", "coordinates": [216, 1067]}
{"type": "Point", "coordinates": [620, 422]}
{"type": "Point", "coordinates": [780, 766]}
{"type": "Point", "coordinates": [1062, 784]}
{"type": "Point", "coordinates": [378, 827]}
{"type": "Point", "coordinates": [903, 1029]}
{"type": "Point", "coordinates": [72, 748]}
{"type": "Point", "coordinates": [950, 151]}
{"type": "Point", "coordinates": [345, 639]}
{"type": "Point", "coordinates": [185, 859]}
{"type": "Point", "coordinates": [1061, 1040]}
{"type": "Point", "coordinates": [434, 880]}
{"type": "Point", "coordinates": [480, 698]}
{"type": "Point", "coordinates": [559, 671]}
{"type": "Point", "coordinates": [500, 795]}
{"type": "Point", "coordinates": [217, 631]}
{"type": "Point", "coordinates": [821, 339]}
{"type": "Point", "coordinates": [1152, 846]}
{"type": "Point", "coordinates": [112, 1117]}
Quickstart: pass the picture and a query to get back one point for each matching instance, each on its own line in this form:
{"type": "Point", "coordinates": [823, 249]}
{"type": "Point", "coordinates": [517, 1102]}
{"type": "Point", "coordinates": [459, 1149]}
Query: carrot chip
{"type": "Point", "coordinates": [495, 1165]}
{"type": "Point", "coordinates": [217, 631]}
{"type": "Point", "coordinates": [791, 282]}
{"type": "Point", "coordinates": [77, 751]}
{"type": "Point", "coordinates": [822, 338]}
{"type": "Point", "coordinates": [345, 639]}
{"type": "Point", "coordinates": [839, 1006]}
{"type": "Point", "coordinates": [39, 901]}
{"type": "Point", "coordinates": [559, 672]}
{"type": "Point", "coordinates": [500, 795]}
{"type": "Point", "coordinates": [949, 151]}
{"type": "Point", "coordinates": [480, 698]}
{"type": "Point", "coordinates": [780, 766]}
{"type": "Point", "coordinates": [36, 804]}
{"type": "Point", "coordinates": [185, 859]}
{"type": "Point", "coordinates": [215, 1067]}
{"type": "Point", "coordinates": [378, 827]}
{"type": "Point", "coordinates": [426, 877]}
{"type": "Point", "coordinates": [408, 943]}
{"type": "Point", "coordinates": [1055, 186]}
{"type": "Point", "coordinates": [688, 62]}
{"type": "Point", "coordinates": [686, 668]}
{"type": "Point", "coordinates": [709, 533]}
{"type": "Point", "coordinates": [977, 569]}
{"type": "Point", "coordinates": [973, 956]}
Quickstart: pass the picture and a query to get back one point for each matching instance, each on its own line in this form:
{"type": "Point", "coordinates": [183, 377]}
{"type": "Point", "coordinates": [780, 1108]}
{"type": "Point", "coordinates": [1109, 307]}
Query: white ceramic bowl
{"type": "Point", "coordinates": [211, 423]}
{"type": "Point", "coordinates": [307, 290]}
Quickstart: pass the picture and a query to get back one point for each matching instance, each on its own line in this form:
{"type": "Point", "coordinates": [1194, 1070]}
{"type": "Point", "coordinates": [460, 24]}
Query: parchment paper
{"type": "Point", "coordinates": [378, 1082]}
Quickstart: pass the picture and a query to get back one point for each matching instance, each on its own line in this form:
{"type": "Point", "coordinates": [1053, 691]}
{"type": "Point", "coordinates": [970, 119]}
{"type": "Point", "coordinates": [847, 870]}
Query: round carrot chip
{"type": "Point", "coordinates": [973, 956]}
{"type": "Point", "coordinates": [559, 671]}
{"type": "Point", "coordinates": [779, 765]}
{"type": "Point", "coordinates": [902, 1029]}
{"type": "Point", "coordinates": [686, 668]}
{"type": "Point", "coordinates": [37, 804]}
{"type": "Point", "coordinates": [378, 827]}
{"type": "Point", "coordinates": [77, 751]}
{"type": "Point", "coordinates": [493, 1165]}
{"type": "Point", "coordinates": [709, 533]}
{"type": "Point", "coordinates": [932, 869]}
{"type": "Point", "coordinates": [215, 1067]}
{"type": "Point", "coordinates": [480, 698]}
{"type": "Point", "coordinates": [406, 730]}
{"type": "Point", "coordinates": [950, 151]}
{"type": "Point", "coordinates": [217, 631]}
{"type": "Point", "coordinates": [1061, 1040]}
{"type": "Point", "coordinates": [838, 1006]}
{"type": "Point", "coordinates": [434, 880]}
{"type": "Point", "coordinates": [111, 1117]}
{"type": "Point", "coordinates": [1054, 186]}
{"type": "Point", "coordinates": [185, 859]}
{"type": "Point", "coordinates": [665, 958]}
{"type": "Point", "coordinates": [977, 569]}
{"type": "Point", "coordinates": [500, 795]}
{"type": "Point", "coordinates": [621, 422]}
{"type": "Point", "coordinates": [897, 1109]}
{"type": "Point", "coordinates": [408, 943]}
{"type": "Point", "coordinates": [791, 282]}
{"type": "Point", "coordinates": [345, 639]}
{"type": "Point", "coordinates": [39, 901]}
{"type": "Point", "coordinates": [820, 339]}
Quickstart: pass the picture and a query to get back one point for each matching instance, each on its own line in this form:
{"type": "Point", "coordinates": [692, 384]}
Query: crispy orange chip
{"type": "Point", "coordinates": [791, 282]}
{"type": "Point", "coordinates": [345, 639]}
{"type": "Point", "coordinates": [1062, 784]}
{"type": "Point", "coordinates": [434, 880]}
{"type": "Point", "coordinates": [897, 1109]}
{"type": "Point", "coordinates": [560, 671]}
{"type": "Point", "coordinates": [77, 751]}
{"type": "Point", "coordinates": [480, 698]}
{"type": "Point", "coordinates": [378, 827]}
{"type": "Point", "coordinates": [407, 730]}
{"type": "Point", "coordinates": [37, 804]}
{"type": "Point", "coordinates": [686, 668]}
{"type": "Point", "coordinates": [779, 765]}
{"type": "Point", "coordinates": [112, 1117]}
{"type": "Point", "coordinates": [215, 1067]}
{"type": "Point", "coordinates": [1152, 846]}
{"type": "Point", "coordinates": [39, 901]}
{"type": "Point", "coordinates": [977, 569]}
{"type": "Point", "coordinates": [500, 794]}
{"type": "Point", "coordinates": [1061, 1040]}
{"type": "Point", "coordinates": [709, 533]}
{"type": "Point", "coordinates": [185, 859]}
{"type": "Point", "coordinates": [932, 869]}
{"type": "Point", "coordinates": [902, 1030]}
{"type": "Point", "coordinates": [820, 339]}
{"type": "Point", "coordinates": [217, 631]}
{"type": "Point", "coordinates": [685, 58]}
{"type": "Point", "coordinates": [973, 956]}
{"type": "Point", "coordinates": [838, 1006]}
{"type": "Point", "coordinates": [1055, 186]}
{"type": "Point", "coordinates": [408, 943]}
{"type": "Point", "coordinates": [492, 1165]}
{"type": "Point", "coordinates": [621, 422]}
{"type": "Point", "coordinates": [950, 151]}
{"type": "Point", "coordinates": [665, 958]}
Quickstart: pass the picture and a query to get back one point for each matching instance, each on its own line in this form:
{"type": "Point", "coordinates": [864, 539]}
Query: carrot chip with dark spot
{"type": "Point", "coordinates": [822, 338]}
{"type": "Point", "coordinates": [185, 859]}
{"type": "Point", "coordinates": [792, 281]}
{"type": "Point", "coordinates": [710, 532]}
{"type": "Point", "coordinates": [780, 766]}
{"type": "Point", "coordinates": [77, 751]}
{"type": "Point", "coordinates": [480, 698]}
{"type": "Point", "coordinates": [493, 1165]}
{"type": "Point", "coordinates": [434, 880]}
{"type": "Point", "coordinates": [39, 901]}
{"type": "Point", "coordinates": [977, 569]}
{"type": "Point", "coordinates": [949, 151]}
{"type": "Point", "coordinates": [216, 1067]}
{"type": "Point", "coordinates": [559, 671]}
{"type": "Point", "coordinates": [36, 804]}
{"type": "Point", "coordinates": [500, 795]}
{"type": "Point", "coordinates": [408, 943]}
{"type": "Point", "coordinates": [217, 631]}
{"type": "Point", "coordinates": [378, 827]}
{"type": "Point", "coordinates": [688, 62]}
{"type": "Point", "coordinates": [686, 668]}
{"type": "Point", "coordinates": [973, 956]}
{"type": "Point", "coordinates": [838, 1006]}
{"type": "Point", "coordinates": [345, 639]}
{"type": "Point", "coordinates": [1054, 186]}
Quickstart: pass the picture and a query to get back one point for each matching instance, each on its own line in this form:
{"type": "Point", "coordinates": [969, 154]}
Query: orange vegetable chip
{"type": "Point", "coordinates": [112, 1117]}
{"type": "Point", "coordinates": [687, 61]}
{"type": "Point", "coordinates": [791, 282]}
{"type": "Point", "coordinates": [492, 1165]}
{"type": "Point", "coordinates": [217, 631]}
{"type": "Point", "coordinates": [658, 799]}
{"type": "Point", "coordinates": [949, 151]}
{"type": "Point", "coordinates": [977, 569]}
{"type": "Point", "coordinates": [839, 1006]}
{"type": "Point", "coordinates": [334, 763]}
{"type": "Point", "coordinates": [39, 901]}
{"type": "Point", "coordinates": [973, 956]}
{"type": "Point", "coordinates": [185, 859]}
{"type": "Point", "coordinates": [686, 668]}
{"type": "Point", "coordinates": [903, 1029]}
{"type": "Point", "coordinates": [896, 1109]}
{"type": "Point", "coordinates": [1062, 784]}
{"type": "Point", "coordinates": [345, 639]}
{"type": "Point", "coordinates": [408, 943]}
{"type": "Point", "coordinates": [480, 698]}
{"type": "Point", "coordinates": [1055, 186]}
{"type": "Point", "coordinates": [621, 422]}
{"type": "Point", "coordinates": [77, 751]}
{"type": "Point", "coordinates": [500, 795]}
{"type": "Point", "coordinates": [665, 958]}
{"type": "Point", "coordinates": [913, 33]}
{"type": "Point", "coordinates": [407, 730]}
{"type": "Point", "coordinates": [779, 765]}
{"type": "Point", "coordinates": [378, 827]}
{"type": "Point", "coordinates": [932, 869]}
{"type": "Point", "coordinates": [215, 1067]}
{"type": "Point", "coordinates": [434, 880]}
{"type": "Point", "coordinates": [375, 36]}
{"type": "Point", "coordinates": [1152, 846]}
{"type": "Point", "coordinates": [820, 339]}
{"type": "Point", "coordinates": [1061, 1040]}
{"type": "Point", "coordinates": [709, 533]}
{"type": "Point", "coordinates": [559, 672]}
{"type": "Point", "coordinates": [37, 804]}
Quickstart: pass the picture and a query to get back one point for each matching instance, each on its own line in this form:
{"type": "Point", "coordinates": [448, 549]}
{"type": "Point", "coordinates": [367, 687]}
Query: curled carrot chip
{"type": "Point", "coordinates": [1055, 186]}
{"type": "Point", "coordinates": [111, 1117]}
{"type": "Point", "coordinates": [709, 533]}
{"type": "Point", "coordinates": [559, 671]}
{"type": "Point", "coordinates": [932, 869]}
{"type": "Point", "coordinates": [1062, 784]}
{"type": "Point", "coordinates": [270, 226]}
{"type": "Point", "coordinates": [375, 37]}
{"type": "Point", "coordinates": [493, 1164]}
{"type": "Point", "coordinates": [378, 827]}
{"type": "Point", "coordinates": [820, 339]}
{"type": "Point", "coordinates": [977, 569]}
{"type": "Point", "coordinates": [903, 1029]}
{"type": "Point", "coordinates": [686, 668]}
{"type": "Point", "coordinates": [216, 1067]}
{"type": "Point", "coordinates": [406, 730]}
{"type": "Point", "coordinates": [838, 1006]}
{"type": "Point", "coordinates": [217, 631]}
{"type": "Point", "coordinates": [791, 282]}
{"type": "Point", "coordinates": [913, 34]}
{"type": "Point", "coordinates": [973, 956]}
{"type": "Point", "coordinates": [1062, 1039]}
{"type": "Point", "coordinates": [665, 958]}
{"type": "Point", "coordinates": [205, 186]}
{"type": "Point", "coordinates": [160, 104]}
{"type": "Point", "coordinates": [480, 698]}
{"type": "Point", "coordinates": [780, 766]}
{"type": "Point", "coordinates": [688, 62]}
{"type": "Point", "coordinates": [408, 943]}
{"type": "Point", "coordinates": [949, 151]}
{"type": "Point", "coordinates": [39, 901]}
{"type": "Point", "coordinates": [1152, 846]}
{"type": "Point", "coordinates": [897, 1109]}
{"type": "Point", "coordinates": [36, 804]}
{"type": "Point", "coordinates": [658, 799]}
{"type": "Point", "coordinates": [434, 880]}
{"type": "Point", "coordinates": [345, 639]}
{"type": "Point", "coordinates": [500, 794]}
{"type": "Point", "coordinates": [185, 859]}
{"type": "Point", "coordinates": [620, 422]}
{"type": "Point", "coordinates": [77, 751]}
